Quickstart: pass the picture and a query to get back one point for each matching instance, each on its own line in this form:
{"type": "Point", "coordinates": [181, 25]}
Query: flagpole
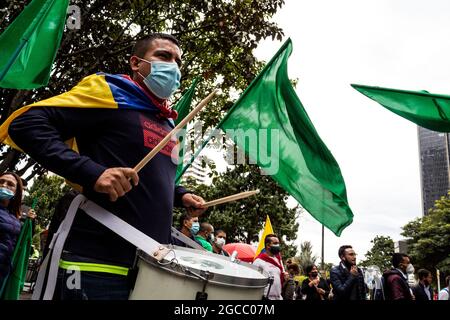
{"type": "Point", "coordinates": [12, 59]}
{"type": "Point", "coordinates": [323, 251]}
{"type": "Point", "coordinates": [25, 38]}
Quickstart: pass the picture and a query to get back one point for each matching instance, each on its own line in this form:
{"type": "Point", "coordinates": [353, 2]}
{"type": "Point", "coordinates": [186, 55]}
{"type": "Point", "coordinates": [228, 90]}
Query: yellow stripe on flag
{"type": "Point", "coordinates": [91, 92]}
{"type": "Point", "coordinates": [267, 230]}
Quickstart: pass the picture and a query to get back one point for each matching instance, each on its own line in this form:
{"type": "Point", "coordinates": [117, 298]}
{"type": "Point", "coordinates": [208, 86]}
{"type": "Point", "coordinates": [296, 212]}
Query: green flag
{"type": "Point", "coordinates": [29, 45]}
{"type": "Point", "coordinates": [270, 109]}
{"type": "Point", "coordinates": [183, 107]}
{"type": "Point", "coordinates": [13, 284]}
{"type": "Point", "coordinates": [431, 111]}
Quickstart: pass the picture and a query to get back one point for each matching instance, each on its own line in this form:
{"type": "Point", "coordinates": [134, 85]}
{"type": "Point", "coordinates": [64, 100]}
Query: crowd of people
{"type": "Point", "coordinates": [346, 281]}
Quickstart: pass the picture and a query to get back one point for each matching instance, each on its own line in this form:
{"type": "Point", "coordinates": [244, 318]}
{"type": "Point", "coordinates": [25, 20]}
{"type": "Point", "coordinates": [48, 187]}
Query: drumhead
{"type": "Point", "coordinates": [199, 263]}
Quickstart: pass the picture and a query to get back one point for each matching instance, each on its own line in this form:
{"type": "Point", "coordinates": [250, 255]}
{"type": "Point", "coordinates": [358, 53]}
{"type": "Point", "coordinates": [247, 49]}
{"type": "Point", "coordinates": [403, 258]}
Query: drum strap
{"type": "Point", "coordinates": [108, 219]}
{"type": "Point", "coordinates": [186, 240]}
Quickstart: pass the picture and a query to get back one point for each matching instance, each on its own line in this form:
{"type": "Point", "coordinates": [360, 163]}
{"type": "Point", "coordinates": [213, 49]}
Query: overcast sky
{"type": "Point", "coordinates": [399, 44]}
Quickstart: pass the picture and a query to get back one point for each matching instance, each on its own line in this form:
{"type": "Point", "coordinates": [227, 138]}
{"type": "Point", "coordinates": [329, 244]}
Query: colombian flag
{"type": "Point", "coordinates": [99, 90]}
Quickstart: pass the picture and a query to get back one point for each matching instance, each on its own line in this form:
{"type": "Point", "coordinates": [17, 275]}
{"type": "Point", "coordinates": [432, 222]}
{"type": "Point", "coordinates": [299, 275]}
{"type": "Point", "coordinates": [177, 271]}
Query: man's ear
{"type": "Point", "coordinates": [134, 63]}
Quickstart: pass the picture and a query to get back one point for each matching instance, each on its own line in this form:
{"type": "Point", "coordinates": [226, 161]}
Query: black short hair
{"type": "Point", "coordinates": [216, 232]}
{"type": "Point", "coordinates": [309, 268]}
{"type": "Point", "coordinates": [184, 217]}
{"type": "Point", "coordinates": [267, 239]}
{"type": "Point", "coordinates": [341, 251]}
{"type": "Point", "coordinates": [397, 258]}
{"type": "Point", "coordinates": [447, 280]}
{"type": "Point", "coordinates": [141, 46]}
{"type": "Point", "coordinates": [423, 273]}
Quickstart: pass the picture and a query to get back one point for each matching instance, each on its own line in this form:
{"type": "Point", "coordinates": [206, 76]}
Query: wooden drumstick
{"type": "Point", "coordinates": [167, 138]}
{"type": "Point", "coordinates": [233, 197]}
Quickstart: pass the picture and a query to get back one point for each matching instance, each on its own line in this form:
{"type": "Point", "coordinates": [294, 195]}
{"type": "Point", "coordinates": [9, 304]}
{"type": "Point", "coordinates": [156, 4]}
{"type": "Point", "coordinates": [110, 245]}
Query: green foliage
{"type": "Point", "coordinates": [217, 40]}
{"type": "Point", "coordinates": [380, 254]}
{"type": "Point", "coordinates": [306, 257]}
{"type": "Point", "coordinates": [244, 219]}
{"type": "Point", "coordinates": [48, 190]}
{"type": "Point", "coordinates": [429, 237]}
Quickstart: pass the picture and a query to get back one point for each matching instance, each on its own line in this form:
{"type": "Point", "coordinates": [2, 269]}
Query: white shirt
{"type": "Point", "coordinates": [275, 290]}
{"type": "Point", "coordinates": [443, 294]}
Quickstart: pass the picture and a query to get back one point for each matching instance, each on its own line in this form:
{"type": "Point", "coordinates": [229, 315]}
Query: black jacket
{"type": "Point", "coordinates": [106, 138]}
{"type": "Point", "coordinates": [9, 231]}
{"type": "Point", "coordinates": [311, 292]}
{"type": "Point", "coordinates": [420, 294]}
{"type": "Point", "coordinates": [347, 286]}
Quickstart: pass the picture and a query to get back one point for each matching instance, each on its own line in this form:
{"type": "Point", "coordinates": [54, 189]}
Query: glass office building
{"type": "Point", "coordinates": [434, 166]}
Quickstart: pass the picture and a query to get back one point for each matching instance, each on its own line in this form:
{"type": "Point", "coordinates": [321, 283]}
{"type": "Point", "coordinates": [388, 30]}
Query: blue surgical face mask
{"type": "Point", "coordinates": [6, 194]}
{"type": "Point", "coordinates": [163, 79]}
{"type": "Point", "coordinates": [195, 228]}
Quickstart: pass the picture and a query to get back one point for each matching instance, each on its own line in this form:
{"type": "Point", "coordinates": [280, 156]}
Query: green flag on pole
{"type": "Point", "coordinates": [431, 111]}
{"type": "Point", "coordinates": [13, 285]}
{"type": "Point", "coordinates": [183, 107]}
{"type": "Point", "coordinates": [29, 45]}
{"type": "Point", "coordinates": [307, 170]}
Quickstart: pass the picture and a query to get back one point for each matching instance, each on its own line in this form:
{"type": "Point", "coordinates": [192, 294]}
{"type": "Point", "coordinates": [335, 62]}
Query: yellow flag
{"type": "Point", "coordinates": [267, 230]}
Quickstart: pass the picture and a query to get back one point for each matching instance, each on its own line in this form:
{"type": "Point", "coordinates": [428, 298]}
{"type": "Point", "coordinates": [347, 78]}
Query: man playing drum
{"type": "Point", "coordinates": [116, 120]}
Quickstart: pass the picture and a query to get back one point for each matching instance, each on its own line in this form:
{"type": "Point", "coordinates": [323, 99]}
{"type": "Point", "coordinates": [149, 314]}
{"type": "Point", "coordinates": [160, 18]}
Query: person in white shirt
{"type": "Point", "coordinates": [269, 260]}
{"type": "Point", "coordinates": [444, 293]}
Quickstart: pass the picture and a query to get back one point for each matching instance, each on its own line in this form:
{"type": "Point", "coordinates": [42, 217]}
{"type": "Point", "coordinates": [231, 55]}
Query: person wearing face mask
{"type": "Point", "coordinates": [10, 202]}
{"type": "Point", "coordinates": [189, 226]}
{"type": "Point", "coordinates": [396, 285]}
{"type": "Point", "coordinates": [314, 287]}
{"type": "Point", "coordinates": [220, 238]}
{"type": "Point", "coordinates": [346, 278]}
{"type": "Point", "coordinates": [270, 261]}
{"type": "Point", "coordinates": [423, 290]}
{"type": "Point", "coordinates": [116, 120]}
{"type": "Point", "coordinates": [205, 236]}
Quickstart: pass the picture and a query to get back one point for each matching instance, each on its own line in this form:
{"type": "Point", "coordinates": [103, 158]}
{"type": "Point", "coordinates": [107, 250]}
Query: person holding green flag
{"type": "Point", "coordinates": [11, 190]}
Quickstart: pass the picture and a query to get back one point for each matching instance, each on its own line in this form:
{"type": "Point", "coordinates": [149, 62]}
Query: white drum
{"type": "Point", "coordinates": [183, 274]}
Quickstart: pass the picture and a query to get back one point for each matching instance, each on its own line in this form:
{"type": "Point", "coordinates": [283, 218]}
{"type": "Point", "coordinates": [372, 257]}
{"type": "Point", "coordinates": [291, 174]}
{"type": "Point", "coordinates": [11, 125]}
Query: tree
{"type": "Point", "coordinates": [306, 257]}
{"type": "Point", "coordinates": [47, 189]}
{"type": "Point", "coordinates": [429, 237]}
{"type": "Point", "coordinates": [380, 254]}
{"type": "Point", "coordinates": [217, 38]}
{"type": "Point", "coordinates": [244, 219]}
